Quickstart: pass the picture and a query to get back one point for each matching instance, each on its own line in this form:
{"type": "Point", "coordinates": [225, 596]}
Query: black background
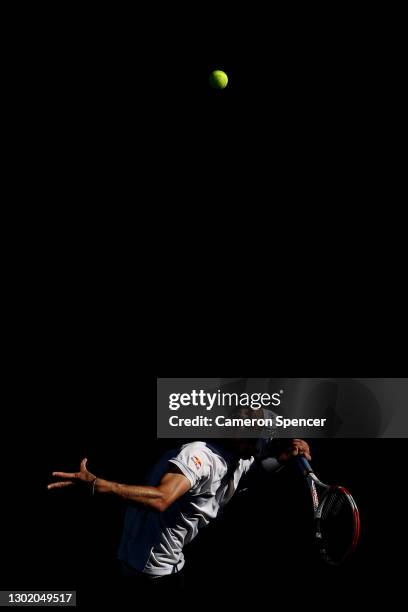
{"type": "Point", "coordinates": [261, 547]}
{"type": "Point", "coordinates": [64, 539]}
{"type": "Point", "coordinates": [112, 119]}
{"type": "Point", "coordinates": [314, 97]}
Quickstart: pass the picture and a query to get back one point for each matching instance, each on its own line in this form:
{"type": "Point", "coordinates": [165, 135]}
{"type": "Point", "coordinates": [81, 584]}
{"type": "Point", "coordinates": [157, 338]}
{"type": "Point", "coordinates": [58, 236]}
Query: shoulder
{"type": "Point", "coordinates": [197, 445]}
{"type": "Point", "coordinates": [195, 461]}
{"type": "Point", "coordinates": [199, 452]}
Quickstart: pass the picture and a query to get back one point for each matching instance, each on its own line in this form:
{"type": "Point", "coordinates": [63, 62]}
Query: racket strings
{"type": "Point", "coordinates": [333, 504]}
{"type": "Point", "coordinates": [337, 525]}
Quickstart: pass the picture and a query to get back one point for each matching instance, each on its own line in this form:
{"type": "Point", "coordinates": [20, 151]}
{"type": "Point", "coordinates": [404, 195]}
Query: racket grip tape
{"type": "Point", "coordinates": [304, 465]}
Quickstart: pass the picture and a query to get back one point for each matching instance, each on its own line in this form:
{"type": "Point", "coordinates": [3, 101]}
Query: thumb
{"type": "Point", "coordinates": [83, 464]}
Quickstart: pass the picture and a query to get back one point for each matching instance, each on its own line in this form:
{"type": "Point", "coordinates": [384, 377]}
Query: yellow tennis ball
{"type": "Point", "coordinates": [218, 79]}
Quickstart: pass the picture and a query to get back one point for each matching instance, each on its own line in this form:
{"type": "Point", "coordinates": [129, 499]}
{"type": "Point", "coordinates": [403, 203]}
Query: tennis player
{"type": "Point", "coordinates": [187, 488]}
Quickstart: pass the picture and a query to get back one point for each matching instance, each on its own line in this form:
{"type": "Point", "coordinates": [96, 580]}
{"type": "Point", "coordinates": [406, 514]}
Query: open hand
{"type": "Point", "coordinates": [71, 478]}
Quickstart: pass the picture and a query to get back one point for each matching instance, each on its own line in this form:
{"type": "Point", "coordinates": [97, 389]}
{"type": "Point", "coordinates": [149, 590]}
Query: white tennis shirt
{"type": "Point", "coordinates": [152, 542]}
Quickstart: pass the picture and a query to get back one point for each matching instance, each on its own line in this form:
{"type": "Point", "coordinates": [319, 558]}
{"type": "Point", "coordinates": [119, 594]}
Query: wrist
{"type": "Point", "coordinates": [103, 486]}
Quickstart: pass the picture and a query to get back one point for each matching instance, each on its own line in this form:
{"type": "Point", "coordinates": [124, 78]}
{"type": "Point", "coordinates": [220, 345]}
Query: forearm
{"type": "Point", "coordinates": [151, 497]}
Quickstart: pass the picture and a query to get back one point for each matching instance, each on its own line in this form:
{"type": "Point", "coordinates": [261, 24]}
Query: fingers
{"type": "Point", "coordinates": [300, 447]}
{"type": "Point", "coordinates": [71, 476]}
{"type": "Point", "coordinates": [59, 485]}
{"type": "Point", "coordinates": [298, 452]}
{"type": "Point", "coordinates": [297, 448]}
{"type": "Point", "coordinates": [65, 474]}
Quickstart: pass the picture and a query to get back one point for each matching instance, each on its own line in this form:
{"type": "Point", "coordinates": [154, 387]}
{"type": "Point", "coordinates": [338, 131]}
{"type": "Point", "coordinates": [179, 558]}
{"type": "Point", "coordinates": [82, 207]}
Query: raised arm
{"type": "Point", "coordinates": [172, 486]}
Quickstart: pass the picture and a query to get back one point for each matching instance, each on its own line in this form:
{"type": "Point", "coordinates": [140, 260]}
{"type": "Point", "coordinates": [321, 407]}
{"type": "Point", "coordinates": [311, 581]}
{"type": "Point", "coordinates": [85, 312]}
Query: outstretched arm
{"type": "Point", "coordinates": [172, 486]}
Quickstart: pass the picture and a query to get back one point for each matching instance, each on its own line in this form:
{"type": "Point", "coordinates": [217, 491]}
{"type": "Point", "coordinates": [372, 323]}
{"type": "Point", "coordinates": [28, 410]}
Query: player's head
{"type": "Point", "coordinates": [244, 438]}
{"type": "Point", "coordinates": [245, 447]}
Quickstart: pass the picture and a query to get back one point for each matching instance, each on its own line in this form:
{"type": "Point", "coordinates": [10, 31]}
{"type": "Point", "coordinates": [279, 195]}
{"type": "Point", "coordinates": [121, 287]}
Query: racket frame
{"type": "Point", "coordinates": [318, 506]}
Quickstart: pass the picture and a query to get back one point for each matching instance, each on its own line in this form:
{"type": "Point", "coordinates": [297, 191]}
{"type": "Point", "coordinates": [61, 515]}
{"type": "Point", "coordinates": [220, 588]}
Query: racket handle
{"type": "Point", "coordinates": [304, 465]}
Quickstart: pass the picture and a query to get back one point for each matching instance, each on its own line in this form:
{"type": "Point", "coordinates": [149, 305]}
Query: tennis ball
{"type": "Point", "coordinates": [218, 79]}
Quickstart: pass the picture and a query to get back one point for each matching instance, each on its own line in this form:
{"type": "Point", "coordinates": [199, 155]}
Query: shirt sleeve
{"type": "Point", "coordinates": [193, 463]}
{"type": "Point", "coordinates": [247, 464]}
{"type": "Point", "coordinates": [271, 464]}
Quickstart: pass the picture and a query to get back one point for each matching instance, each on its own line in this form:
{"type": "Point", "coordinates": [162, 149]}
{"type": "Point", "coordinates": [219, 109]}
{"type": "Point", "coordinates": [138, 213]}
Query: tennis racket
{"type": "Point", "coordinates": [336, 517]}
